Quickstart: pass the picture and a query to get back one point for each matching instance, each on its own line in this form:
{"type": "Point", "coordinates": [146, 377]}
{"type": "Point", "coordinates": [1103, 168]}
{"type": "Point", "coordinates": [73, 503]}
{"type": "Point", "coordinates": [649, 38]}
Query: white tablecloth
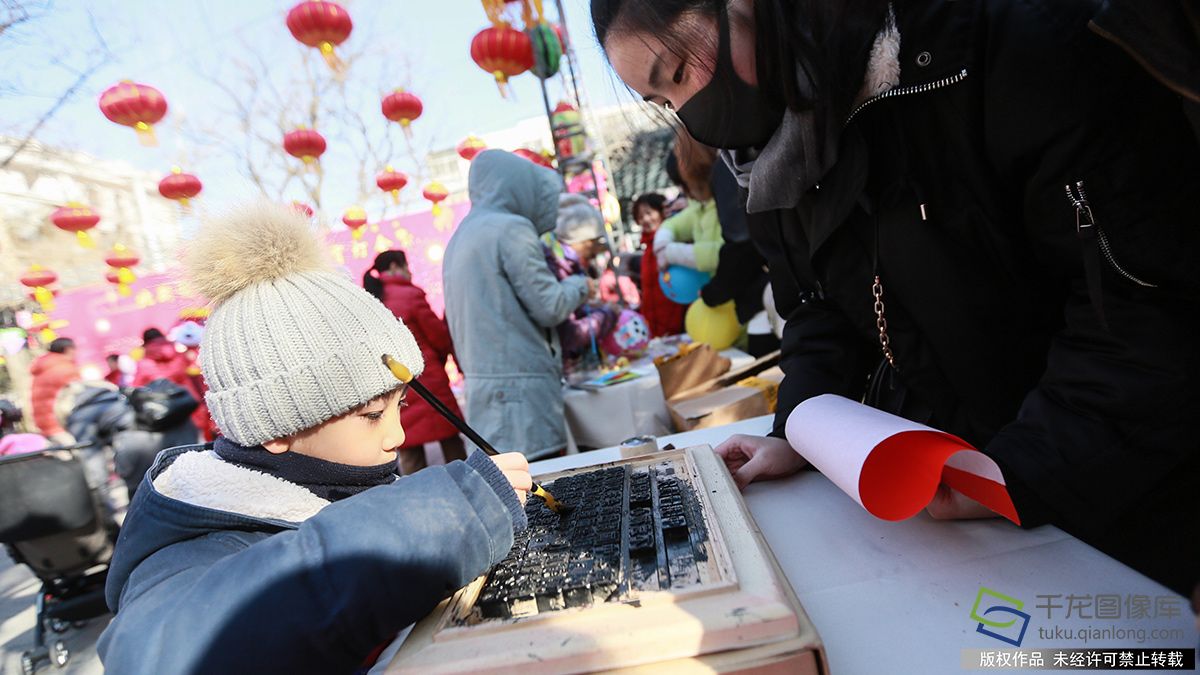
{"type": "Point", "coordinates": [605, 417]}
{"type": "Point", "coordinates": [896, 597]}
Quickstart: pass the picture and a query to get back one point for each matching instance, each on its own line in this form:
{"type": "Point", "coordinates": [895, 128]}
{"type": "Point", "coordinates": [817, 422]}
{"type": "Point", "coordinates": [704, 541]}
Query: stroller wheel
{"type": "Point", "coordinates": [61, 654]}
{"type": "Point", "coordinates": [59, 626]}
{"type": "Point", "coordinates": [28, 666]}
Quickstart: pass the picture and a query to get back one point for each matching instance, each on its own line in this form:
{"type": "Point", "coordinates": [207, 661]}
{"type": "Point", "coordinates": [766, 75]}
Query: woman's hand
{"type": "Point", "coordinates": [949, 504]}
{"type": "Point", "coordinates": [751, 458]}
{"type": "Point", "coordinates": [515, 468]}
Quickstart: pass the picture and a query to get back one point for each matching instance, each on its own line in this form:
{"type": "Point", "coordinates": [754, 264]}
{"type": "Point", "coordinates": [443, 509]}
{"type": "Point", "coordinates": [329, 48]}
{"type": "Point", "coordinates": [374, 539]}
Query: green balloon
{"type": "Point", "coordinates": [547, 52]}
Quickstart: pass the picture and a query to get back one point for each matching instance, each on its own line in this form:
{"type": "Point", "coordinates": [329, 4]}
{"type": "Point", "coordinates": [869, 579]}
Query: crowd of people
{"type": "Point", "coordinates": [937, 227]}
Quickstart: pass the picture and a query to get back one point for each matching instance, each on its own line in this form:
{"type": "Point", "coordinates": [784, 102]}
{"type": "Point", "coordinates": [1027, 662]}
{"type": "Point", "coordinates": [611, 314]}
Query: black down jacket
{"type": "Point", "coordinates": [1027, 197]}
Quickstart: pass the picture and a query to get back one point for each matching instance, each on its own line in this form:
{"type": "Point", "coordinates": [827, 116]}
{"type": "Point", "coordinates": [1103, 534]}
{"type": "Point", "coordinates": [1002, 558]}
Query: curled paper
{"type": "Point", "coordinates": [890, 465]}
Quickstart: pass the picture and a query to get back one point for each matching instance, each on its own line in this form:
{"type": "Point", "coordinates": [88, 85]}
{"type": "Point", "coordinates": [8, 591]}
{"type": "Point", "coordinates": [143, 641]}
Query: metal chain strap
{"type": "Point", "coordinates": [885, 343]}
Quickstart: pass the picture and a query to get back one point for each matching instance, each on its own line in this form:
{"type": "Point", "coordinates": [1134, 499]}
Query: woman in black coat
{"type": "Point", "coordinates": [978, 215]}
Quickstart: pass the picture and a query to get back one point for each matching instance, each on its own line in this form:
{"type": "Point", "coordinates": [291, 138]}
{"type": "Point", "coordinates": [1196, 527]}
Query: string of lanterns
{"type": "Point", "coordinates": [502, 50]}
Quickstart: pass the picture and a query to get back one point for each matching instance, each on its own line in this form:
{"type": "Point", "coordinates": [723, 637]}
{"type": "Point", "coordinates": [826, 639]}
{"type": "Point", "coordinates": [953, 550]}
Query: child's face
{"type": "Point", "coordinates": [366, 436]}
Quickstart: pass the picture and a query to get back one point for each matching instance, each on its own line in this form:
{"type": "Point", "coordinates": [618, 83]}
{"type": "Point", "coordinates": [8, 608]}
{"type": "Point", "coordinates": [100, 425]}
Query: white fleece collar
{"type": "Point", "coordinates": [204, 479]}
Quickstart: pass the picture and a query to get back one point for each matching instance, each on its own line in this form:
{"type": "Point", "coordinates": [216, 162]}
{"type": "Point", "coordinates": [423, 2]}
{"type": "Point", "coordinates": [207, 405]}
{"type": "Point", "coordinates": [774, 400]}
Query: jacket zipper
{"type": "Point", "coordinates": [1085, 227]}
{"type": "Point", "coordinates": [904, 91]}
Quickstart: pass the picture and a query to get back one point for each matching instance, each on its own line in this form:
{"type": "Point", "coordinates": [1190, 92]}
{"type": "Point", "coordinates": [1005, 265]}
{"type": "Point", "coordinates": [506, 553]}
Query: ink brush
{"type": "Point", "coordinates": [403, 374]}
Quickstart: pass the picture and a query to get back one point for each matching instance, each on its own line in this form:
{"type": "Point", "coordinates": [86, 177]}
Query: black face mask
{"type": "Point", "coordinates": [729, 113]}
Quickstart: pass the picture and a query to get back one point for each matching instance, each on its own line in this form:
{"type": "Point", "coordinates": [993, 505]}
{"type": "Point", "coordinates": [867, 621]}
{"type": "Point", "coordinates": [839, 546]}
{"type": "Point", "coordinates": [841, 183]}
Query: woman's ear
{"type": "Point", "coordinates": [278, 446]}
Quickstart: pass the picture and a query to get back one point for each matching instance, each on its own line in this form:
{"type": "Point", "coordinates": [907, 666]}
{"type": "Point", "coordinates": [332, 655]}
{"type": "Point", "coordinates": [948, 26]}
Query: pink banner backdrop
{"type": "Point", "coordinates": [104, 322]}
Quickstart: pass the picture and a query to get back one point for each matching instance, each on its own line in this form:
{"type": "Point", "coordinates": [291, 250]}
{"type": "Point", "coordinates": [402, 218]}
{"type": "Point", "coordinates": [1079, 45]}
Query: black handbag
{"type": "Point", "coordinates": [162, 405]}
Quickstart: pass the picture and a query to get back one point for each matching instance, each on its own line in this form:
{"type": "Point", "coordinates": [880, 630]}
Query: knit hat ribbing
{"type": "Point", "coordinates": [290, 343]}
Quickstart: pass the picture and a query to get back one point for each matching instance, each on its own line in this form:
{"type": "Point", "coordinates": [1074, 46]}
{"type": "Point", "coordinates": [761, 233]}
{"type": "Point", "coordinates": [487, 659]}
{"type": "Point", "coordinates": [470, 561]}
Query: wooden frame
{"type": "Point", "coordinates": [743, 615]}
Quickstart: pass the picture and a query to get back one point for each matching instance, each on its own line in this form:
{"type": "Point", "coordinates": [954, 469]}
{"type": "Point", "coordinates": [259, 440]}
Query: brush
{"type": "Point", "coordinates": [403, 374]}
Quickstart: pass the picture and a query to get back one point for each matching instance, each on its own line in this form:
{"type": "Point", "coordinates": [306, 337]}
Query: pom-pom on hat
{"type": "Point", "coordinates": [290, 343]}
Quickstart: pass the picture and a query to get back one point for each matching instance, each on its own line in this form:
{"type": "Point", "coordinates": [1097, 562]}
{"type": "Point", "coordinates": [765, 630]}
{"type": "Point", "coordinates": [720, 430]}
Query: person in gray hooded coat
{"type": "Point", "coordinates": [502, 304]}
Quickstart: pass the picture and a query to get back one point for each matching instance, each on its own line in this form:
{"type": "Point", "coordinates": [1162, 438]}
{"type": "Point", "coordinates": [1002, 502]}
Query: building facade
{"type": "Point", "coordinates": [39, 179]}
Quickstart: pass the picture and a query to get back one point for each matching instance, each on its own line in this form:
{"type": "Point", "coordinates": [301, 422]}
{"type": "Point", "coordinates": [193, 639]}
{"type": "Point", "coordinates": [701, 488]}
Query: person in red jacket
{"type": "Point", "coordinates": [51, 372]}
{"type": "Point", "coordinates": [389, 280]}
{"type": "Point", "coordinates": [662, 315]}
{"type": "Point", "coordinates": [164, 361]}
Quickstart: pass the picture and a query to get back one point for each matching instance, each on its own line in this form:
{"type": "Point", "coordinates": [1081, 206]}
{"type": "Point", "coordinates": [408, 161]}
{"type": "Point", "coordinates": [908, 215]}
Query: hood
{"type": "Point", "coordinates": [505, 182]}
{"type": "Point", "coordinates": [190, 492]}
{"type": "Point", "coordinates": [161, 350]}
{"type": "Point", "coordinates": [49, 361]}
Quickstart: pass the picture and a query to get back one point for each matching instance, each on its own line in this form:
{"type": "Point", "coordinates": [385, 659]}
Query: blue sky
{"type": "Point", "coordinates": [182, 47]}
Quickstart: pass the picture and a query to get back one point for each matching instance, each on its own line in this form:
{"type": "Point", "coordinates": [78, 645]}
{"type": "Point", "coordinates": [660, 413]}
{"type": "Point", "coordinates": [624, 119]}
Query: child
{"type": "Point", "coordinates": [289, 545]}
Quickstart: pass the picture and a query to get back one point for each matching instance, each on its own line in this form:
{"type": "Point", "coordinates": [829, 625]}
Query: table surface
{"type": "Point", "coordinates": [896, 597]}
{"type": "Point", "coordinates": [598, 418]}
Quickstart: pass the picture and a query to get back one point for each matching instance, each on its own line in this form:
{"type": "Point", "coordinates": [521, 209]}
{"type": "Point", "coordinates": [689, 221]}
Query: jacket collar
{"type": "Point", "coordinates": [204, 479]}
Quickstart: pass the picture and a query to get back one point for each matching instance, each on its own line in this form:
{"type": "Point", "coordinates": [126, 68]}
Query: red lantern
{"type": "Point", "coordinates": [306, 144]}
{"type": "Point", "coordinates": [471, 146]}
{"type": "Point", "coordinates": [39, 278]}
{"type": "Point", "coordinates": [403, 107]}
{"type": "Point", "coordinates": [303, 208]}
{"type": "Point", "coordinates": [502, 51]}
{"type": "Point", "coordinates": [322, 25]}
{"type": "Point", "coordinates": [134, 105]}
{"type": "Point", "coordinates": [121, 259]}
{"type": "Point", "coordinates": [391, 180]}
{"type": "Point", "coordinates": [77, 218]}
{"type": "Point", "coordinates": [180, 186]}
{"type": "Point", "coordinates": [535, 157]}
{"type": "Point", "coordinates": [435, 192]}
{"type": "Point", "coordinates": [355, 218]}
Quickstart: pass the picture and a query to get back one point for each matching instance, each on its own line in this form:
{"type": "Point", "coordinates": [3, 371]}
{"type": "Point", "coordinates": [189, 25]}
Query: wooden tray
{"type": "Point", "coordinates": [743, 614]}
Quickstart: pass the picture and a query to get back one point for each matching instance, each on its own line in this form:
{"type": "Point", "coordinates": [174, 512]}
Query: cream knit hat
{"type": "Point", "coordinates": [290, 343]}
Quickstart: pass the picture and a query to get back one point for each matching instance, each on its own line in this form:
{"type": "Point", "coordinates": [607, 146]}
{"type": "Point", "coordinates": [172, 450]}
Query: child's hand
{"type": "Point", "coordinates": [751, 458]}
{"type": "Point", "coordinates": [516, 470]}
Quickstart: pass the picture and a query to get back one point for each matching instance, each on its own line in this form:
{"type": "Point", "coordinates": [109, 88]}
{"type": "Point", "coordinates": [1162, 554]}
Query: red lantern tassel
{"type": "Point", "coordinates": [85, 239]}
{"type": "Point", "coordinates": [331, 58]}
{"type": "Point", "coordinates": [501, 83]}
{"type": "Point", "coordinates": [356, 233]}
{"type": "Point", "coordinates": [44, 298]}
{"type": "Point", "coordinates": [124, 290]}
{"type": "Point", "coordinates": [395, 196]}
{"type": "Point", "coordinates": [437, 209]}
{"type": "Point", "coordinates": [407, 131]}
{"type": "Point", "coordinates": [145, 134]}
{"type": "Point", "coordinates": [125, 275]}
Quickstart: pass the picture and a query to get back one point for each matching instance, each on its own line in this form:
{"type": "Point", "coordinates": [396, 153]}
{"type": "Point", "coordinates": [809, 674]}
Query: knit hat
{"type": "Point", "coordinates": [578, 220]}
{"type": "Point", "coordinates": [290, 343]}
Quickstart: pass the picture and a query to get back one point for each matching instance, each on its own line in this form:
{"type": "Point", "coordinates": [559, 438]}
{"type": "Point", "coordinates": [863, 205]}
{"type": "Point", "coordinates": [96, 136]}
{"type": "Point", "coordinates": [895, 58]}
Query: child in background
{"type": "Point", "coordinates": [390, 280]}
{"type": "Point", "coordinates": [664, 316]}
{"type": "Point", "coordinates": [290, 545]}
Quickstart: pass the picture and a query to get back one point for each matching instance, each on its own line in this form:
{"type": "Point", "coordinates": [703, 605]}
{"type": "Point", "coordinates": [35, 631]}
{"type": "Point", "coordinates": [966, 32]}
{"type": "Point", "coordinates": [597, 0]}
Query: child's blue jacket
{"type": "Point", "coordinates": [219, 569]}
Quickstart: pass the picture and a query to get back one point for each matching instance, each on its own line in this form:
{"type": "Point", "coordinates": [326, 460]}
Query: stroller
{"type": "Point", "coordinates": [53, 523]}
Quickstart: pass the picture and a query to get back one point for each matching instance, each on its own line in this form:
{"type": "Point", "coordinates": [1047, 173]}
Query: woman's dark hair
{"type": "Point", "coordinates": [830, 40]}
{"type": "Point", "coordinates": [650, 200]}
{"type": "Point", "coordinates": [151, 334]}
{"type": "Point", "coordinates": [371, 281]}
{"type": "Point", "coordinates": [672, 168]}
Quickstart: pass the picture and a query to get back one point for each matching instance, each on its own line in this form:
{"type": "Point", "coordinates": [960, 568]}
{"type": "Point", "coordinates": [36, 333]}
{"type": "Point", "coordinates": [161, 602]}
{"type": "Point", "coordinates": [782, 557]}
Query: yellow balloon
{"type": "Point", "coordinates": [716, 327]}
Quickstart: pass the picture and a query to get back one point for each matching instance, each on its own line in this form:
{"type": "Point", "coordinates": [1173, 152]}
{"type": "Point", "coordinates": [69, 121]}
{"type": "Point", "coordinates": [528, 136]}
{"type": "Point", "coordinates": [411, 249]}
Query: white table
{"type": "Point", "coordinates": [896, 597]}
{"type": "Point", "coordinates": [604, 417]}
